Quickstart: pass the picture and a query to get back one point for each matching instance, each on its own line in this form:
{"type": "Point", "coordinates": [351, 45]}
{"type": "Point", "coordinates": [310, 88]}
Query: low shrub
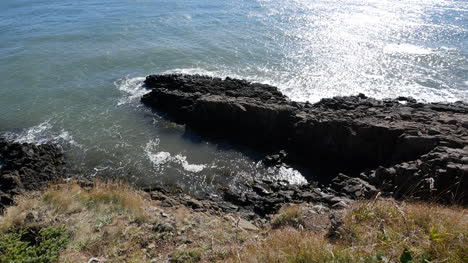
{"type": "Point", "coordinates": [33, 245]}
{"type": "Point", "coordinates": [190, 256]}
{"type": "Point", "coordinates": [291, 216]}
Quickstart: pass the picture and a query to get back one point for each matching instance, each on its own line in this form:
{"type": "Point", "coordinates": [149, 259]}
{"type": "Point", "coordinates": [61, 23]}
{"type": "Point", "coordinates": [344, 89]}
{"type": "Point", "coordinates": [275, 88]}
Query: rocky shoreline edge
{"type": "Point", "coordinates": [27, 167]}
{"type": "Point", "coordinates": [418, 152]}
{"type": "Point", "coordinates": [45, 216]}
{"type": "Point", "coordinates": [360, 146]}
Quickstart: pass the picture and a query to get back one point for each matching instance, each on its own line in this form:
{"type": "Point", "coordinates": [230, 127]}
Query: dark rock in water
{"type": "Point", "coordinates": [341, 134]}
{"type": "Point", "coordinates": [25, 167]}
{"type": "Point", "coordinates": [275, 159]}
{"type": "Point", "coordinates": [257, 114]}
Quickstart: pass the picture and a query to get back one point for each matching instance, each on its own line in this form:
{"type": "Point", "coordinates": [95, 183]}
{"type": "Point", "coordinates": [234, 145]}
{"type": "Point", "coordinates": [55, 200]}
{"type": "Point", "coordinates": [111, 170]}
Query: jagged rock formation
{"type": "Point", "coordinates": [440, 175]}
{"type": "Point", "coordinates": [25, 167]}
{"type": "Point", "coordinates": [403, 147]}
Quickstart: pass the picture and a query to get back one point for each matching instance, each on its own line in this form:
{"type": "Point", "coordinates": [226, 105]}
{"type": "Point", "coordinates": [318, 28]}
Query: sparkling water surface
{"type": "Point", "coordinates": [71, 71]}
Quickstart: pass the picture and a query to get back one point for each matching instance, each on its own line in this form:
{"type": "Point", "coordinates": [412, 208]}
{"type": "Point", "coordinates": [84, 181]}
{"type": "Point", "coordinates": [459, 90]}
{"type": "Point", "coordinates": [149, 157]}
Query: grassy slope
{"type": "Point", "coordinates": [118, 224]}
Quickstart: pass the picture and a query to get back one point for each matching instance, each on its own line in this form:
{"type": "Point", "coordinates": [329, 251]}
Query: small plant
{"type": "Point", "coordinates": [406, 256]}
{"type": "Point", "coordinates": [190, 256]}
{"type": "Point", "coordinates": [292, 216]}
{"type": "Point", "coordinates": [33, 245]}
{"type": "Point", "coordinates": [378, 258]}
{"type": "Point", "coordinates": [435, 235]}
{"type": "Point", "coordinates": [172, 187]}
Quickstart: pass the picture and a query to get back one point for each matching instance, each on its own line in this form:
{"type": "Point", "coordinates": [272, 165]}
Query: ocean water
{"type": "Point", "coordinates": [71, 71]}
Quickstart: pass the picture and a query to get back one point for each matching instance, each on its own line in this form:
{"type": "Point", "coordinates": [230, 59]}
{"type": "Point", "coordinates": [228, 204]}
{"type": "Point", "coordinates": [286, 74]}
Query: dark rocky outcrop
{"type": "Point", "coordinates": [25, 167]}
{"type": "Point", "coordinates": [401, 146]}
{"type": "Point", "coordinates": [255, 199]}
{"type": "Point", "coordinates": [440, 175]}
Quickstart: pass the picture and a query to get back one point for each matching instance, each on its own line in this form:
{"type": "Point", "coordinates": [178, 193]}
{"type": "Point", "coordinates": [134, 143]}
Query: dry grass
{"type": "Point", "coordinates": [109, 197]}
{"type": "Point", "coordinates": [101, 218]}
{"type": "Point", "coordinates": [116, 223]}
{"type": "Point", "coordinates": [430, 232]}
{"type": "Point", "coordinates": [289, 216]}
{"type": "Point", "coordinates": [65, 199]}
{"type": "Point", "coordinates": [288, 245]}
{"type": "Point", "coordinates": [372, 232]}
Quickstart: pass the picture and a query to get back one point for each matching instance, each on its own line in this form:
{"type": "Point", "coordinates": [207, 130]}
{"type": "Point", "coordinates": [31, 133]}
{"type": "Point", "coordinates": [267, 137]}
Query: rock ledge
{"type": "Point", "coordinates": [400, 146]}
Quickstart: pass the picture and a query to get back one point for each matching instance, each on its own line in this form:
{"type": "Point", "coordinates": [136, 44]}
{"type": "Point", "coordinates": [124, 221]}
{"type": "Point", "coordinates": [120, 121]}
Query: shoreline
{"type": "Point", "coordinates": [354, 215]}
{"type": "Point", "coordinates": [113, 222]}
{"type": "Point", "coordinates": [402, 147]}
{"type": "Point", "coordinates": [356, 147]}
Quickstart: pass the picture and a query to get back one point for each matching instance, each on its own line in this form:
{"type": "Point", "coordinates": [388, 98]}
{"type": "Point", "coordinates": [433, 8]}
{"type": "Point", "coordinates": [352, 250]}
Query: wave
{"type": "Point", "coordinates": [304, 89]}
{"type": "Point", "coordinates": [132, 89]}
{"type": "Point", "coordinates": [41, 134]}
{"type": "Point", "coordinates": [161, 158]}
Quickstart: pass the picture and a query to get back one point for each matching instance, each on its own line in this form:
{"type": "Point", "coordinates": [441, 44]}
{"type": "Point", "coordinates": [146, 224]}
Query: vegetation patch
{"type": "Point", "coordinates": [33, 245]}
{"type": "Point", "coordinates": [191, 256]}
{"type": "Point", "coordinates": [291, 216]}
{"type": "Point", "coordinates": [112, 222]}
{"type": "Point", "coordinates": [380, 231]}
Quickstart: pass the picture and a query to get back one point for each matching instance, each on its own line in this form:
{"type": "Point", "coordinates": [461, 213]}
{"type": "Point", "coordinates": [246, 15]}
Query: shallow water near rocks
{"type": "Point", "coordinates": [72, 72]}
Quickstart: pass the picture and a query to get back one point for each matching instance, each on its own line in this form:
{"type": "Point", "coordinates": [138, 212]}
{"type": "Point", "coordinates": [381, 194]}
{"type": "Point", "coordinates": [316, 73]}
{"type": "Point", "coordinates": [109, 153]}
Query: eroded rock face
{"type": "Point", "coordinates": [255, 114]}
{"type": "Point", "coordinates": [342, 134]}
{"type": "Point", "coordinates": [440, 175]}
{"type": "Point", "coordinates": [26, 167]}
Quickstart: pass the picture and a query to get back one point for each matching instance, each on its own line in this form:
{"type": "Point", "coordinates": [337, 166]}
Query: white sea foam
{"type": "Point", "coordinates": [34, 134]}
{"type": "Point", "coordinates": [289, 174]}
{"type": "Point", "coordinates": [301, 88]}
{"type": "Point", "coordinates": [182, 160]}
{"type": "Point", "coordinates": [193, 71]}
{"type": "Point", "coordinates": [132, 88]}
{"type": "Point", "coordinates": [41, 134]}
{"type": "Point", "coordinates": [161, 158]}
{"type": "Point", "coordinates": [223, 73]}
{"type": "Point", "coordinates": [157, 158]}
{"type": "Point", "coordinates": [98, 169]}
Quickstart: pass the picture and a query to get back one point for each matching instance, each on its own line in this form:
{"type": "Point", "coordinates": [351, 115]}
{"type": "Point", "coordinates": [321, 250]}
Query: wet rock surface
{"type": "Point", "coordinates": [401, 147]}
{"type": "Point", "coordinates": [25, 167]}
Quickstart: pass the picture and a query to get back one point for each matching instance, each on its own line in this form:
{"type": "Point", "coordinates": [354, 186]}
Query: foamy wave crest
{"type": "Point", "coordinates": [182, 160]}
{"type": "Point", "coordinates": [301, 88]}
{"type": "Point", "coordinates": [41, 134]}
{"type": "Point", "coordinates": [161, 158]}
{"type": "Point", "coordinates": [192, 71]}
{"type": "Point", "coordinates": [220, 74]}
{"type": "Point", "coordinates": [132, 88]}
